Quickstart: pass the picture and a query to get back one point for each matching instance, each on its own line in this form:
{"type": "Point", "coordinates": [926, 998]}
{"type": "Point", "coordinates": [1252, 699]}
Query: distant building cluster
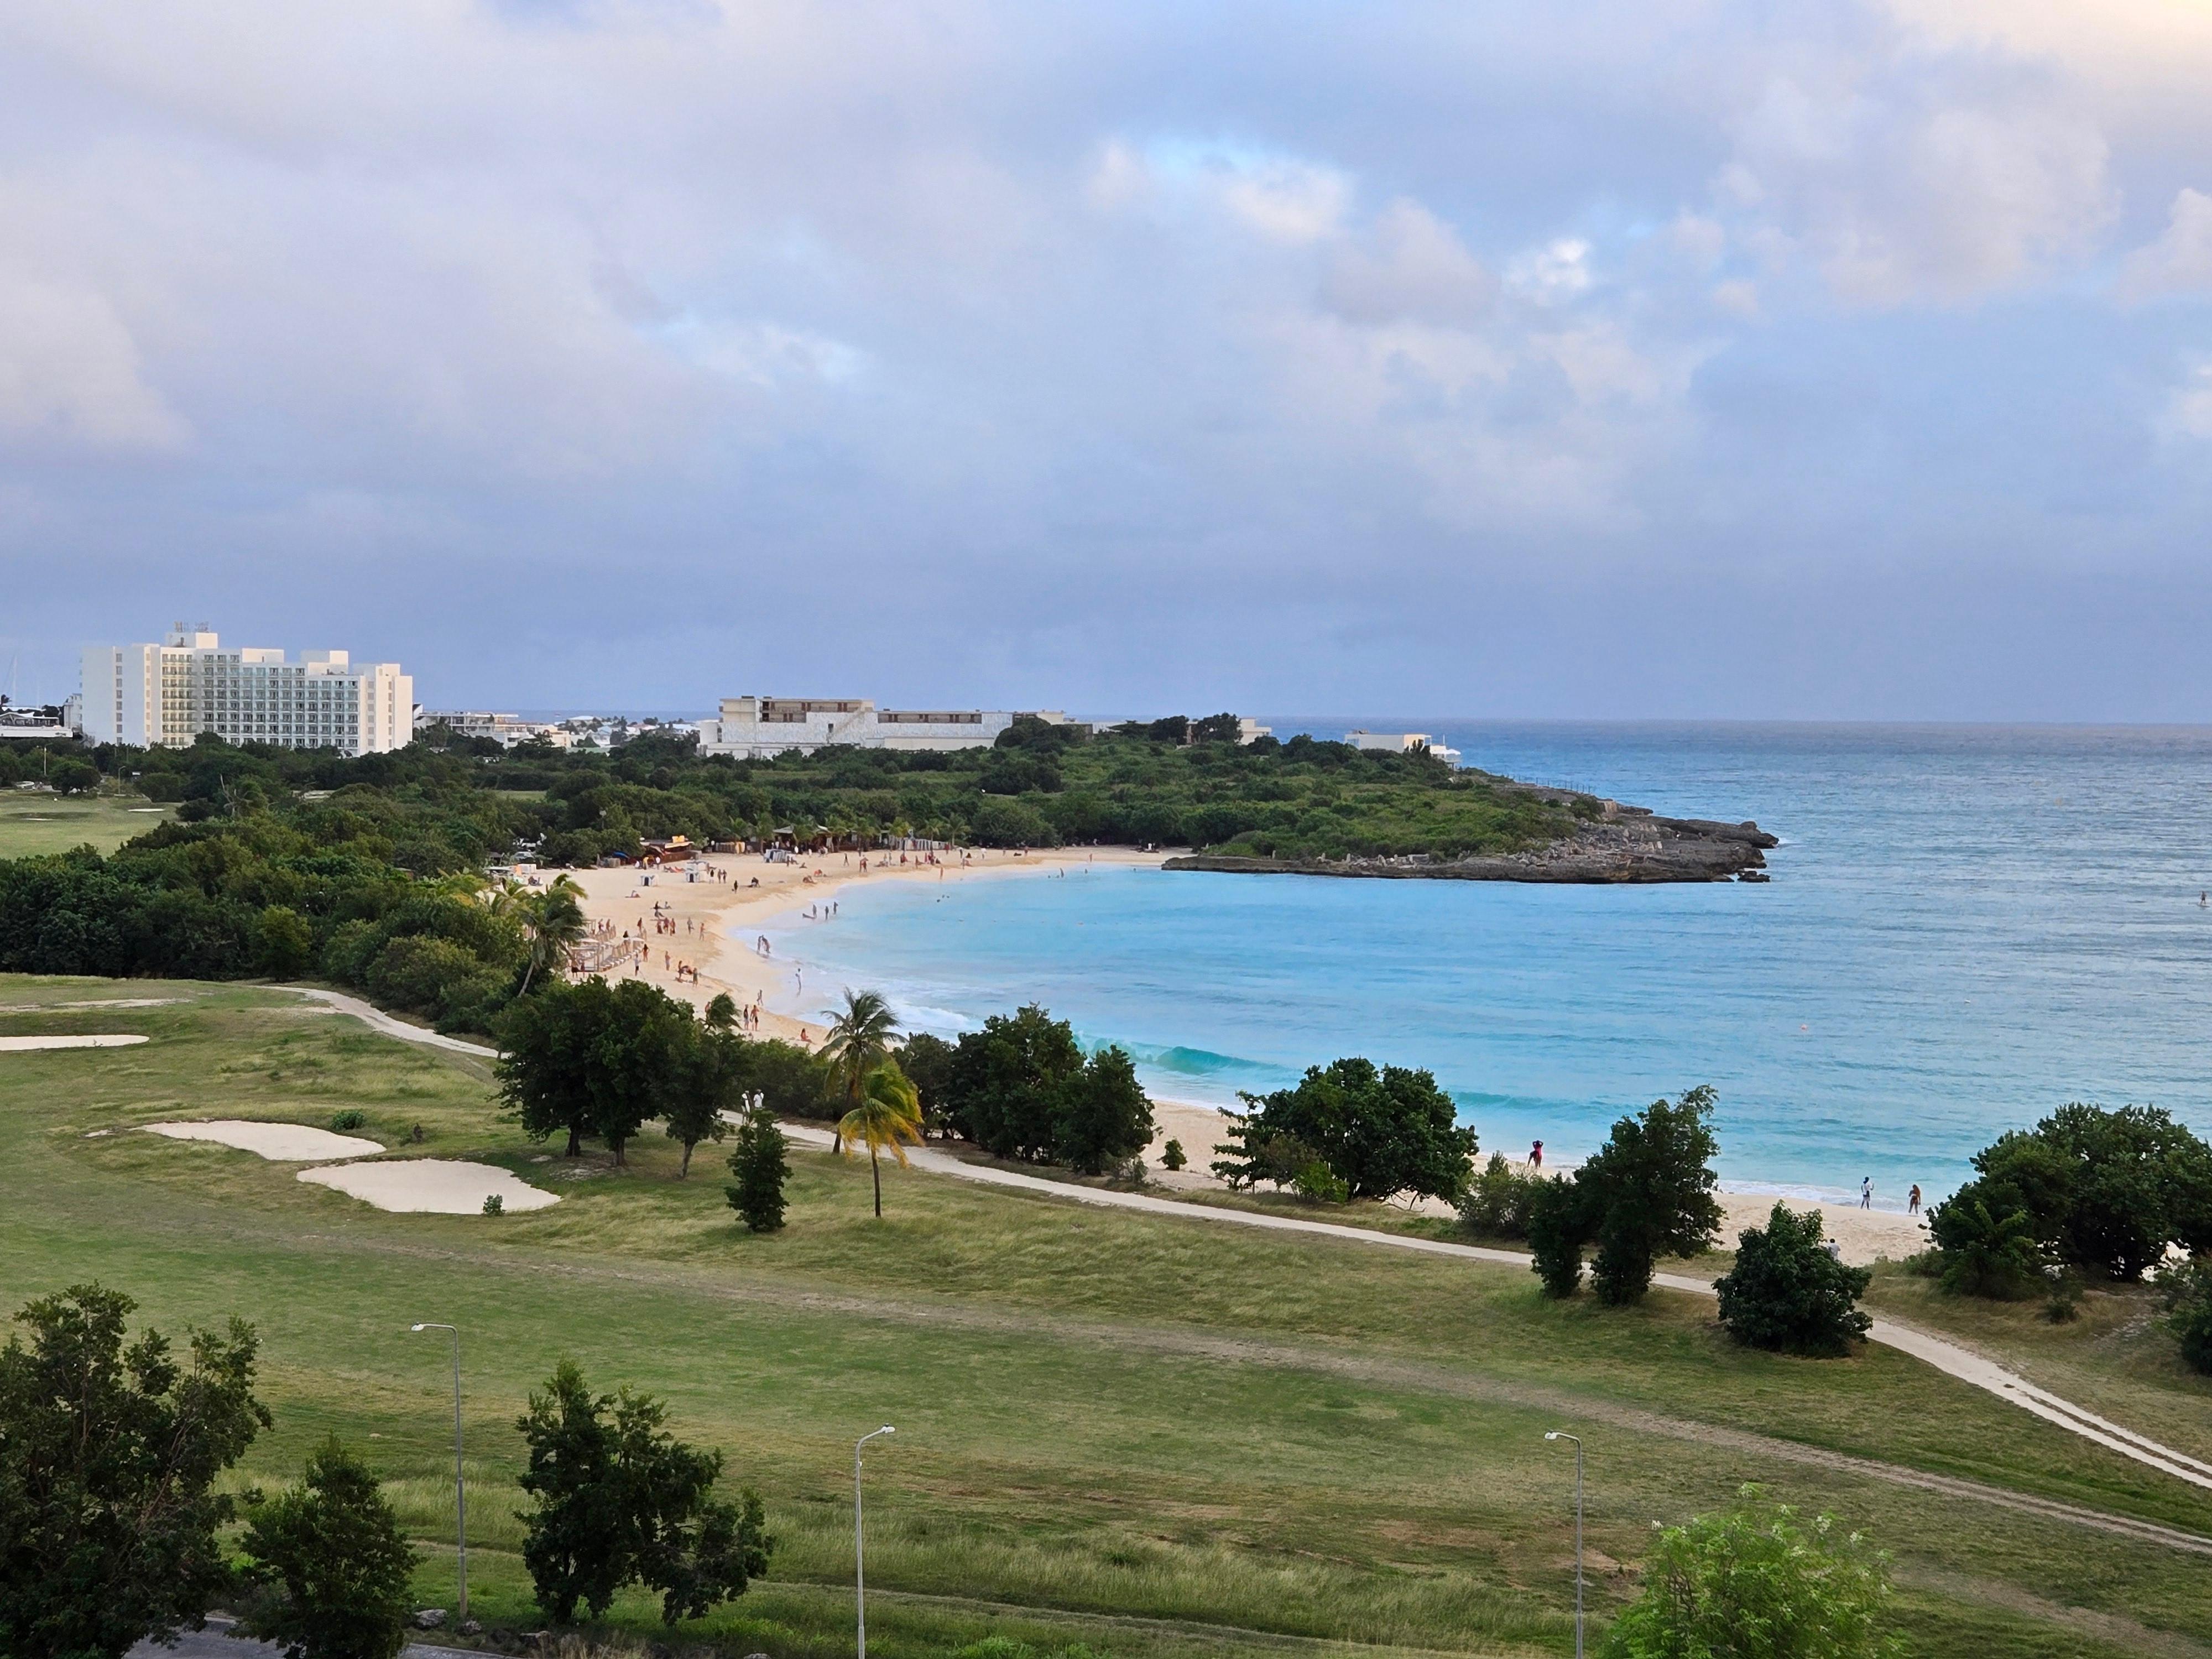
{"type": "Point", "coordinates": [1401, 743]}
{"type": "Point", "coordinates": [165, 696]}
{"type": "Point", "coordinates": [505, 729]}
{"type": "Point", "coordinates": [754, 726]}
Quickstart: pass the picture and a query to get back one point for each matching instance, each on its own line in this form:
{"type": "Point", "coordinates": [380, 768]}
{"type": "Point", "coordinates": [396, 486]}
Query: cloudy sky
{"type": "Point", "coordinates": [1658, 358]}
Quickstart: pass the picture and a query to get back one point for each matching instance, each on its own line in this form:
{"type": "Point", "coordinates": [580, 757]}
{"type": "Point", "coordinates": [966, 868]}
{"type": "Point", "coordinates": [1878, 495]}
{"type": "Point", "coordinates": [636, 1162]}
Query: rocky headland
{"type": "Point", "coordinates": [1618, 844]}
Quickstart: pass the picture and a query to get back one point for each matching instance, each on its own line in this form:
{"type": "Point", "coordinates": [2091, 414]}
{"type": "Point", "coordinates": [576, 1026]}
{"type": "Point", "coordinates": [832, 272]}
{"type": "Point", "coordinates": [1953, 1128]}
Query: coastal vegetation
{"type": "Point", "coordinates": [1350, 1130]}
{"type": "Point", "coordinates": [1646, 1193]}
{"type": "Point", "coordinates": [369, 873]}
{"type": "Point", "coordinates": [327, 1570]}
{"type": "Point", "coordinates": [1148, 1435]}
{"type": "Point", "coordinates": [1787, 1293]}
{"type": "Point", "coordinates": [1022, 1087]}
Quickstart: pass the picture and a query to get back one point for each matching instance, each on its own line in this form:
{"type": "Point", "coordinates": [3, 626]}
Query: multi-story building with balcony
{"type": "Point", "coordinates": [165, 696]}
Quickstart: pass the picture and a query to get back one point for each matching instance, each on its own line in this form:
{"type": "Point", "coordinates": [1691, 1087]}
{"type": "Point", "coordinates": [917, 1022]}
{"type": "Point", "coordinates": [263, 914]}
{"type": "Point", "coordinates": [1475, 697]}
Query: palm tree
{"type": "Point", "coordinates": [858, 1041]}
{"type": "Point", "coordinates": [552, 921]}
{"type": "Point", "coordinates": [889, 1112]}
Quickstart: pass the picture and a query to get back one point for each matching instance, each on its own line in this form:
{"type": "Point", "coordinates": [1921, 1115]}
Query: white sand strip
{"type": "Point", "coordinates": [280, 1143]}
{"type": "Point", "coordinates": [435, 1185]}
{"type": "Point", "coordinates": [17, 1045]}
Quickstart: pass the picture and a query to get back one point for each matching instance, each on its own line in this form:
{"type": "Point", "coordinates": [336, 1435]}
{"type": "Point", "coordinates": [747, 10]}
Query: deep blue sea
{"type": "Point", "coordinates": [1966, 927]}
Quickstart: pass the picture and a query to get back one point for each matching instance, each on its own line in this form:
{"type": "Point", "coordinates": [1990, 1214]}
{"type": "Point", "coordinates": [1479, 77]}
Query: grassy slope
{"type": "Point", "coordinates": [1153, 1436]}
{"type": "Point", "coordinates": [35, 824]}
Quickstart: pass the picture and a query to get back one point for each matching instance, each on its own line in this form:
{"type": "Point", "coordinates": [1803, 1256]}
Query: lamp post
{"type": "Point", "coordinates": [1558, 1434]}
{"type": "Point", "coordinates": [860, 1582]}
{"type": "Point", "coordinates": [460, 1483]}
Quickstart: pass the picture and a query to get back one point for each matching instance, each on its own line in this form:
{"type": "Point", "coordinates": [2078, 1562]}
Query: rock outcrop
{"type": "Point", "coordinates": [1626, 844]}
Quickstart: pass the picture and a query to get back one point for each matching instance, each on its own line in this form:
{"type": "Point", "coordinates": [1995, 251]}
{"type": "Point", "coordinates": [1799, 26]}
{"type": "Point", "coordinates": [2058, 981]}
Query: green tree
{"type": "Point", "coordinates": [1102, 1114]}
{"type": "Point", "coordinates": [1006, 1079]}
{"type": "Point", "coordinates": [1556, 1236]}
{"type": "Point", "coordinates": [1985, 1242]}
{"type": "Point", "coordinates": [858, 1041]}
{"type": "Point", "coordinates": [2185, 1288]}
{"type": "Point", "coordinates": [329, 1566]}
{"type": "Point", "coordinates": [890, 1113]}
{"type": "Point", "coordinates": [1757, 1583]}
{"type": "Point", "coordinates": [927, 1060]}
{"type": "Point", "coordinates": [108, 1459]}
{"type": "Point", "coordinates": [1648, 1191]}
{"type": "Point", "coordinates": [544, 1063]}
{"type": "Point", "coordinates": [711, 1085]}
{"type": "Point", "coordinates": [1786, 1292]}
{"type": "Point", "coordinates": [553, 922]}
{"type": "Point", "coordinates": [759, 1163]}
{"type": "Point", "coordinates": [2140, 1183]}
{"type": "Point", "coordinates": [618, 1500]}
{"type": "Point", "coordinates": [1381, 1132]}
{"type": "Point", "coordinates": [283, 944]}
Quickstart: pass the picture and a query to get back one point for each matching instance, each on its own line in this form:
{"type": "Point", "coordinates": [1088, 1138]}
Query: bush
{"type": "Point", "coordinates": [1787, 1293]}
{"type": "Point", "coordinates": [2186, 1290]}
{"type": "Point", "coordinates": [1496, 1202]}
{"type": "Point", "coordinates": [284, 944]}
{"type": "Point", "coordinates": [1318, 1182]}
{"type": "Point", "coordinates": [351, 1118]}
{"type": "Point", "coordinates": [760, 1168]}
{"type": "Point", "coordinates": [1647, 1193]}
{"type": "Point", "coordinates": [1755, 1581]}
{"type": "Point", "coordinates": [330, 1568]}
{"type": "Point", "coordinates": [1983, 1252]}
{"type": "Point", "coordinates": [1382, 1131]}
{"type": "Point", "coordinates": [1172, 1156]}
{"type": "Point", "coordinates": [1555, 1236]}
{"type": "Point", "coordinates": [494, 1204]}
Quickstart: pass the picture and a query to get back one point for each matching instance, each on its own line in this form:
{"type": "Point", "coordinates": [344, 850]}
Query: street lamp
{"type": "Point", "coordinates": [460, 1485]}
{"type": "Point", "coordinates": [1559, 1434]}
{"type": "Point", "coordinates": [859, 1583]}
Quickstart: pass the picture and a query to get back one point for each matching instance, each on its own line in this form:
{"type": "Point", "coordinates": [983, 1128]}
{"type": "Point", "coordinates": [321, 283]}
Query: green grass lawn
{"type": "Point", "coordinates": [1149, 1435]}
{"type": "Point", "coordinates": [32, 823]}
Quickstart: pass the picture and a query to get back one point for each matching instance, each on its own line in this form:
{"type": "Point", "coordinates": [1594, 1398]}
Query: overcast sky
{"type": "Point", "coordinates": [1655, 358]}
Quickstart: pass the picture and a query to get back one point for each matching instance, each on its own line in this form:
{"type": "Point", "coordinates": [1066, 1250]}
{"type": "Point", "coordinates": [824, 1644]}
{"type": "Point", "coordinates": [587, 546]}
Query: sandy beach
{"type": "Point", "coordinates": [718, 914]}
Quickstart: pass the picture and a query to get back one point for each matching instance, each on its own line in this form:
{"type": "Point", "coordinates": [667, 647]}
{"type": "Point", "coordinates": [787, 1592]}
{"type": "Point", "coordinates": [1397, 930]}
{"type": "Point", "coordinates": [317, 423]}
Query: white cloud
{"type": "Point", "coordinates": [1910, 181]}
{"type": "Point", "coordinates": [1554, 274]}
{"type": "Point", "coordinates": [2189, 406]}
{"type": "Point", "coordinates": [2180, 260]}
{"type": "Point", "coordinates": [69, 374]}
{"type": "Point", "coordinates": [1409, 265]}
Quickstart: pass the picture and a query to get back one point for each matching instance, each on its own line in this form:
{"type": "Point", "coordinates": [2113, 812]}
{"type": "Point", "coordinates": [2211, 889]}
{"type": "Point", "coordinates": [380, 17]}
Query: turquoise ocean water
{"type": "Point", "coordinates": [1966, 927]}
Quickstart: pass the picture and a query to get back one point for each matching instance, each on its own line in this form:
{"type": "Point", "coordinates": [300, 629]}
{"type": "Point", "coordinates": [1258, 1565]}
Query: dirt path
{"type": "Point", "coordinates": [1945, 1356]}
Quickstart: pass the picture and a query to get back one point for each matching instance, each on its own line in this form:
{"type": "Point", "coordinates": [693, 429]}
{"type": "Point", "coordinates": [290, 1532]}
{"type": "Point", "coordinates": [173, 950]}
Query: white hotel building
{"type": "Point", "coordinates": [165, 696]}
{"type": "Point", "coordinates": [759, 726]}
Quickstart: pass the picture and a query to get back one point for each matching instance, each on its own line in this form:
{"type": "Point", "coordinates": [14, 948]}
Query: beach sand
{"type": "Point", "coordinates": [724, 917]}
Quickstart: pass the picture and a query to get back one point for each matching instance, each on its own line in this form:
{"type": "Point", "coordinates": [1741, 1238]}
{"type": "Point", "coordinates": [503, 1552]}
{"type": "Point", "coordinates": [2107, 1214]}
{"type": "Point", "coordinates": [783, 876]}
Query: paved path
{"type": "Point", "coordinates": [376, 1019]}
{"type": "Point", "coordinates": [1947, 1356]}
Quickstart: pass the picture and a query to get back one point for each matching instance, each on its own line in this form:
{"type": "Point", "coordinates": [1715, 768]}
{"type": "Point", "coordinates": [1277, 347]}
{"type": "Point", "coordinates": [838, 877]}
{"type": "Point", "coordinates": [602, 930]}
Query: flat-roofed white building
{"type": "Point", "coordinates": [505, 730]}
{"type": "Point", "coordinates": [165, 696]}
{"type": "Point", "coordinates": [1401, 743]}
{"type": "Point", "coordinates": [754, 726]}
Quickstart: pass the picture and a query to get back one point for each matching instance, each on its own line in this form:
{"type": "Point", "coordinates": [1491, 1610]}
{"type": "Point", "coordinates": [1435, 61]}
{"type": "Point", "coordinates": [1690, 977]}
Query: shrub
{"type": "Point", "coordinates": [1172, 1156]}
{"type": "Point", "coordinates": [494, 1204]}
{"type": "Point", "coordinates": [351, 1118]}
{"type": "Point", "coordinates": [1755, 1581]}
{"type": "Point", "coordinates": [330, 1568]}
{"type": "Point", "coordinates": [2103, 1189]}
{"type": "Point", "coordinates": [2186, 1290]}
{"type": "Point", "coordinates": [1985, 1252]}
{"type": "Point", "coordinates": [760, 1168]}
{"type": "Point", "coordinates": [1381, 1131]}
{"type": "Point", "coordinates": [1496, 1202]}
{"type": "Point", "coordinates": [283, 944]}
{"type": "Point", "coordinates": [1787, 1293]}
{"type": "Point", "coordinates": [1316, 1181]}
{"type": "Point", "coordinates": [1647, 1193]}
{"type": "Point", "coordinates": [1555, 1236]}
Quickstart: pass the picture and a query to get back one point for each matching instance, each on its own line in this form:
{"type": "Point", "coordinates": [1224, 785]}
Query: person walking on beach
{"type": "Point", "coordinates": [1536, 1157]}
{"type": "Point", "coordinates": [1866, 1193]}
{"type": "Point", "coordinates": [1912, 1200]}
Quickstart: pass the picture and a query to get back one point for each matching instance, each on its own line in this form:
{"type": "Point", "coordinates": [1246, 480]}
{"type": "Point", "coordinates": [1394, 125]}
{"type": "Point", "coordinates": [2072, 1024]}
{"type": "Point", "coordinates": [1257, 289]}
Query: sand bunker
{"type": "Point", "coordinates": [280, 1143]}
{"type": "Point", "coordinates": [438, 1185]}
{"type": "Point", "coordinates": [22, 1044]}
